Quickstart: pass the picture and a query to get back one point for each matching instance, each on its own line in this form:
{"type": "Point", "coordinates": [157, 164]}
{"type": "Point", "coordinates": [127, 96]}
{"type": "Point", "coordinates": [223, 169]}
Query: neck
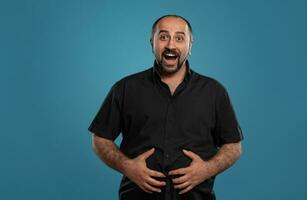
{"type": "Point", "coordinates": [177, 77]}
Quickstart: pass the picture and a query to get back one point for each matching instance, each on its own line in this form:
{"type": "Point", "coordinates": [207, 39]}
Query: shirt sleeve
{"type": "Point", "coordinates": [107, 122]}
{"type": "Point", "coordinates": [227, 129]}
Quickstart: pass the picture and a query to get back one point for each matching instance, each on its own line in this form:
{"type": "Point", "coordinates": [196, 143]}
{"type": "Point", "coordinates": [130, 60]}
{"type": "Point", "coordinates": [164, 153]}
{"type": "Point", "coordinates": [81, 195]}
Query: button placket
{"type": "Point", "coordinates": [167, 125]}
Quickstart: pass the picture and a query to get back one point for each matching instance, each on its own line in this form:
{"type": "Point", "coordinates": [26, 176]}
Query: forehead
{"type": "Point", "coordinates": [172, 24]}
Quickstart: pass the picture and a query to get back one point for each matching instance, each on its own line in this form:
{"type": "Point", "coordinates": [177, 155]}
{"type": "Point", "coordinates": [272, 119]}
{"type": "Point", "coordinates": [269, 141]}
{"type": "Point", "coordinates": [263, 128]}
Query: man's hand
{"type": "Point", "coordinates": [192, 175]}
{"type": "Point", "coordinates": [135, 169]}
{"type": "Point", "coordinates": [138, 172]}
{"type": "Point", "coordinates": [200, 170]}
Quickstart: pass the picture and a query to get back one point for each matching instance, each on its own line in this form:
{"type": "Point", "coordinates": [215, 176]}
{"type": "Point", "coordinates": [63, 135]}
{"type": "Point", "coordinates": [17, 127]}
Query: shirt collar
{"type": "Point", "coordinates": [156, 75]}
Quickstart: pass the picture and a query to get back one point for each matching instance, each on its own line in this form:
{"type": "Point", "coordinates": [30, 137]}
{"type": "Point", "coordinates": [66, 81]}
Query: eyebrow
{"type": "Point", "coordinates": [165, 31]}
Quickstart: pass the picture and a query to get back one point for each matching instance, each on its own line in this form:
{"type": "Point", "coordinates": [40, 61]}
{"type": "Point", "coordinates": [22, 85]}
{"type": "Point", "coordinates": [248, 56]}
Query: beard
{"type": "Point", "coordinates": [168, 70]}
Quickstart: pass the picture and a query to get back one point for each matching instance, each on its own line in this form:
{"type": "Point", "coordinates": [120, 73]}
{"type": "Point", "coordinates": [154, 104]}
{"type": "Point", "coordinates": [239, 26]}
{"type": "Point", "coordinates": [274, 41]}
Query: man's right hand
{"type": "Point", "coordinates": [138, 172]}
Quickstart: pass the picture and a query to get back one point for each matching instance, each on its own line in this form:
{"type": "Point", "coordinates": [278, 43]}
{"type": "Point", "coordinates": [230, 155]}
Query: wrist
{"type": "Point", "coordinates": [209, 168]}
{"type": "Point", "coordinates": [125, 166]}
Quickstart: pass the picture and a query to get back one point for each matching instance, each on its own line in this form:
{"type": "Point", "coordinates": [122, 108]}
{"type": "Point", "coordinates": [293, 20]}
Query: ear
{"type": "Point", "coordinates": [151, 43]}
{"type": "Point", "coordinates": [190, 48]}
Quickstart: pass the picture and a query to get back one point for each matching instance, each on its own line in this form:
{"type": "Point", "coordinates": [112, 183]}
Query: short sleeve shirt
{"type": "Point", "coordinates": [198, 116]}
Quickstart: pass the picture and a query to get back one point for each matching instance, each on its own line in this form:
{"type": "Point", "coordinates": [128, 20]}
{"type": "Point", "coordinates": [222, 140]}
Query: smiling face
{"type": "Point", "coordinates": [171, 43]}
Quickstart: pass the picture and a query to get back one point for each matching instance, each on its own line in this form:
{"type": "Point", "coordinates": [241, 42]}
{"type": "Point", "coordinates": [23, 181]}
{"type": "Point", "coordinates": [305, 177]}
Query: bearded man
{"type": "Point", "coordinates": [179, 129]}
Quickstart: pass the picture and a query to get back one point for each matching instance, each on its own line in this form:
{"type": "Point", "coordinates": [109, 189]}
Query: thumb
{"type": "Point", "coordinates": [148, 153]}
{"type": "Point", "coordinates": [190, 154]}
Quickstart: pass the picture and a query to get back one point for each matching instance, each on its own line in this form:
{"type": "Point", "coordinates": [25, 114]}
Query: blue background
{"type": "Point", "coordinates": [59, 58]}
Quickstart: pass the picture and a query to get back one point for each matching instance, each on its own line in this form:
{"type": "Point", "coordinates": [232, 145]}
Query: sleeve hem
{"type": "Point", "coordinates": [101, 133]}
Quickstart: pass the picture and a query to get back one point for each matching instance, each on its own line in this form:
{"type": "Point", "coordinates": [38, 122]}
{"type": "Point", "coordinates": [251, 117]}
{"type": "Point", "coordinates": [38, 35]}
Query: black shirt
{"type": "Point", "coordinates": [197, 117]}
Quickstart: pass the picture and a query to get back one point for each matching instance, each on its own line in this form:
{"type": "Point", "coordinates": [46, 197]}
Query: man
{"type": "Point", "coordinates": [179, 128]}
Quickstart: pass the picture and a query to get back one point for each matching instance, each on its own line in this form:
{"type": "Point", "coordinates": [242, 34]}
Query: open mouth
{"type": "Point", "coordinates": [170, 56]}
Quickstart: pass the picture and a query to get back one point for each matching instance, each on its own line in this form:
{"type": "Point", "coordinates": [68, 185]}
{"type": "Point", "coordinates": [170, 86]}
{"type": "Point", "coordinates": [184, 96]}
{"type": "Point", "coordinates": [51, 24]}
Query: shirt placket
{"type": "Point", "coordinates": [167, 148]}
{"type": "Point", "coordinates": [168, 123]}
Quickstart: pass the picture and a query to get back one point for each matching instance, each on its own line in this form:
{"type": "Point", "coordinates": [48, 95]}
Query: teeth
{"type": "Point", "coordinates": [169, 54]}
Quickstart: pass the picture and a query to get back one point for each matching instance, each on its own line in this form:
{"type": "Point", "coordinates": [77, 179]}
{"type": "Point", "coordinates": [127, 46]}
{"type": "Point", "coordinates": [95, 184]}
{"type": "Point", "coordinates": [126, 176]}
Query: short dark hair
{"type": "Point", "coordinates": [153, 29]}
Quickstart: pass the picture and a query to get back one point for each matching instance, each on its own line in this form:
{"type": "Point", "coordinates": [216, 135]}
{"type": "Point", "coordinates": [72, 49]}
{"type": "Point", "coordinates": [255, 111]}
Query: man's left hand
{"type": "Point", "coordinates": [197, 172]}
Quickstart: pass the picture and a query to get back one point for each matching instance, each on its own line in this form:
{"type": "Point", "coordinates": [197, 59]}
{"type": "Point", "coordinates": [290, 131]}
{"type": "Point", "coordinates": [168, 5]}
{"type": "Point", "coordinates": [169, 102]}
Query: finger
{"type": "Point", "coordinates": [155, 182]}
{"type": "Point", "coordinates": [148, 153]}
{"type": "Point", "coordinates": [190, 154]}
{"type": "Point", "coordinates": [182, 185]}
{"type": "Point", "coordinates": [180, 179]}
{"type": "Point", "coordinates": [145, 190]}
{"type": "Point", "coordinates": [187, 189]}
{"type": "Point", "coordinates": [151, 188]}
{"type": "Point", "coordinates": [179, 171]}
{"type": "Point", "coordinates": [155, 173]}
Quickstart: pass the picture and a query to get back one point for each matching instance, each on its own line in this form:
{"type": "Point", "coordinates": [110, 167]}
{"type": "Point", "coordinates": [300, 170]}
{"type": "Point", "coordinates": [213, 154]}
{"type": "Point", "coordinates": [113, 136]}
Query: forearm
{"type": "Point", "coordinates": [110, 154]}
{"type": "Point", "coordinates": [227, 155]}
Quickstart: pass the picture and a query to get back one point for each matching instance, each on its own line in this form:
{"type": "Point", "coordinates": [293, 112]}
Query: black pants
{"type": "Point", "coordinates": [130, 191]}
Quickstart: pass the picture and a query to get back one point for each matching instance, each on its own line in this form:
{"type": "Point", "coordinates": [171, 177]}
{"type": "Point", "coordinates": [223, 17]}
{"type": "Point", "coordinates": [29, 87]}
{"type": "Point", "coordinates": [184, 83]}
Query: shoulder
{"type": "Point", "coordinates": [137, 76]}
{"type": "Point", "coordinates": [133, 79]}
{"type": "Point", "coordinates": [209, 82]}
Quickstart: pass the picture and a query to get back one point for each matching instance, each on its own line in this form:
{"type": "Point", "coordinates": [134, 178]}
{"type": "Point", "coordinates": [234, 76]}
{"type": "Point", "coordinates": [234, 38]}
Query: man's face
{"type": "Point", "coordinates": [171, 43]}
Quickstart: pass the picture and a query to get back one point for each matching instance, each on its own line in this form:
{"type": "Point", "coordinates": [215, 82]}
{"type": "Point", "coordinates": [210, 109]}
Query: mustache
{"type": "Point", "coordinates": [170, 51]}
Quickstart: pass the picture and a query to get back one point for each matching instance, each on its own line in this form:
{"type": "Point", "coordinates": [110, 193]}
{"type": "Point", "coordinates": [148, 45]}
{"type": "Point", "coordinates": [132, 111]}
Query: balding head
{"type": "Point", "coordinates": [154, 25]}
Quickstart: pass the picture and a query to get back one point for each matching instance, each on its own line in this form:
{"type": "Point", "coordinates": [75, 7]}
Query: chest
{"type": "Point", "coordinates": [190, 108]}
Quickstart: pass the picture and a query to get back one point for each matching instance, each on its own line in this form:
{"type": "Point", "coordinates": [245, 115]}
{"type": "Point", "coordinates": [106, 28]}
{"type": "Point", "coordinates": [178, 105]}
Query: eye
{"type": "Point", "coordinates": [179, 38]}
{"type": "Point", "coordinates": [163, 37]}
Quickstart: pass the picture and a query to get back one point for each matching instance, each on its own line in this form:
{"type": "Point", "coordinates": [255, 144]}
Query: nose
{"type": "Point", "coordinates": [171, 44]}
